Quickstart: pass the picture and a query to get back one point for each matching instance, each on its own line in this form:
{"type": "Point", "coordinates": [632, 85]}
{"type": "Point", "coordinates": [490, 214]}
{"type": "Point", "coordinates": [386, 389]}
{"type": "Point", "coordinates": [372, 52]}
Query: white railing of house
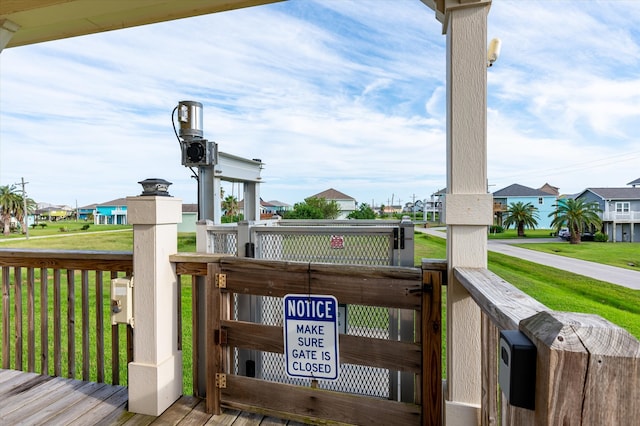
{"type": "Point", "coordinates": [618, 217]}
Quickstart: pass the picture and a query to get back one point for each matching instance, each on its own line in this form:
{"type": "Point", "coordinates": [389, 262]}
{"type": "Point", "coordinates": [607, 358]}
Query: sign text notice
{"type": "Point", "coordinates": [311, 336]}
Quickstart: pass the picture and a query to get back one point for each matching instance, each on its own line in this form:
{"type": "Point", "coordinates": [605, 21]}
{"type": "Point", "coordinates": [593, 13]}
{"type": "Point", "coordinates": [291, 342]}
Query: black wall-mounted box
{"type": "Point", "coordinates": [517, 369]}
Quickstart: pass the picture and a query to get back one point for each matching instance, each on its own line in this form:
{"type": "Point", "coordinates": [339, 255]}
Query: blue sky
{"type": "Point", "coordinates": [329, 94]}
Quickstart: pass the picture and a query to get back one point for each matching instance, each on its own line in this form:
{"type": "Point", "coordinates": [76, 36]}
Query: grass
{"type": "Point", "coordinates": [622, 255]}
{"type": "Point", "coordinates": [70, 226]}
{"type": "Point", "coordinates": [564, 291]}
{"type": "Point", "coordinates": [558, 289]}
{"type": "Point", "coordinates": [510, 234]}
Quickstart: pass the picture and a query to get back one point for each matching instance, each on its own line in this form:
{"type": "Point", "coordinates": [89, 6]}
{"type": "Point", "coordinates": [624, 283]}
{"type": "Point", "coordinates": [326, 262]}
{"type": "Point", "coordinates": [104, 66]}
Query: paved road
{"type": "Point", "coordinates": [610, 274]}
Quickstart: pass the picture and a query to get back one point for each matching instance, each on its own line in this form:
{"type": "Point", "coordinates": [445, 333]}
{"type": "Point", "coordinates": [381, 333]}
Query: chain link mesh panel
{"type": "Point", "coordinates": [224, 242]}
{"type": "Point", "coordinates": [337, 242]}
{"type": "Point", "coordinates": [362, 246]}
{"type": "Point", "coordinates": [366, 321]}
{"type": "Point", "coordinates": [360, 249]}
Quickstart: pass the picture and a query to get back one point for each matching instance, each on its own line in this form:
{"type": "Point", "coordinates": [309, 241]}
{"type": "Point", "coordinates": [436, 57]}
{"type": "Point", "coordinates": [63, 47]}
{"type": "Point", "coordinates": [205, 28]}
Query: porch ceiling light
{"type": "Point", "coordinates": [155, 187]}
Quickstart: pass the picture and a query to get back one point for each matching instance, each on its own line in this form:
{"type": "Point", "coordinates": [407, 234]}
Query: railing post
{"type": "Point", "coordinates": [433, 273]}
{"type": "Point", "coordinates": [155, 375]}
{"type": "Point", "coordinates": [405, 252]}
{"type": "Point", "coordinates": [587, 371]}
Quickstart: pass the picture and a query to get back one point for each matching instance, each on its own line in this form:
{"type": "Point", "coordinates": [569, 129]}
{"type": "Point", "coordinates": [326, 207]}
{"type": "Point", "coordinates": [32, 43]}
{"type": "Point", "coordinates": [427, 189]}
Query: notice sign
{"type": "Point", "coordinates": [311, 336]}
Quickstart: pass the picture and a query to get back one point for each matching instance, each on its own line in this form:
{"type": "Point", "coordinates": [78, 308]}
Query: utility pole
{"type": "Point", "coordinates": [414, 206]}
{"type": "Point", "coordinates": [24, 206]}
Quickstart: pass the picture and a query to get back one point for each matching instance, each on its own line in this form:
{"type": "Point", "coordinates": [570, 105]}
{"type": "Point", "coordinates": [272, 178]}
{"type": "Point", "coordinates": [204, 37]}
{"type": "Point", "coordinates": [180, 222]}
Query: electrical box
{"type": "Point", "coordinates": [122, 301]}
{"type": "Point", "coordinates": [517, 369]}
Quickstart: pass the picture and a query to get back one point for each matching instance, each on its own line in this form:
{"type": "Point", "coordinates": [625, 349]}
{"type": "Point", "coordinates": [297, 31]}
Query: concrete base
{"type": "Point", "coordinates": [153, 388]}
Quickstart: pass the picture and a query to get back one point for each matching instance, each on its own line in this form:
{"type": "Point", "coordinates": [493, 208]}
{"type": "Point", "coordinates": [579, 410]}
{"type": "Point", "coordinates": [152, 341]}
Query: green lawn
{"type": "Point", "coordinates": [62, 227]}
{"type": "Point", "coordinates": [509, 234]}
{"type": "Point", "coordinates": [557, 289]}
{"type": "Point", "coordinates": [622, 255]}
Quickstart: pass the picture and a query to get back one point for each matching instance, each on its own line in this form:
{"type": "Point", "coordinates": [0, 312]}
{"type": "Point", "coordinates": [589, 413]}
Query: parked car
{"type": "Point", "coordinates": [564, 233]}
{"type": "Point", "coordinates": [587, 236]}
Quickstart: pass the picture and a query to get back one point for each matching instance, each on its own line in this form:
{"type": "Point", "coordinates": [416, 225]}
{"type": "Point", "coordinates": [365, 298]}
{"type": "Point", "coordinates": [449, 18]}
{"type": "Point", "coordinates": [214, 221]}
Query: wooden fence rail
{"type": "Point", "coordinates": [52, 284]}
{"type": "Point", "coordinates": [587, 369]}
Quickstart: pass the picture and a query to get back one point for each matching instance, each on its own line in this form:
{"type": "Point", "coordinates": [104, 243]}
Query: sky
{"type": "Point", "coordinates": [336, 94]}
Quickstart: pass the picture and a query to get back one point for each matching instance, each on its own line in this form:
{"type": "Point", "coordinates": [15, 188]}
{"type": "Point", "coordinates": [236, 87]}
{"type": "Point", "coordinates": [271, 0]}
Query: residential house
{"type": "Point", "coordinates": [390, 210]}
{"type": "Point", "coordinates": [46, 211]}
{"type": "Point", "coordinates": [553, 190]}
{"type": "Point", "coordinates": [113, 212]}
{"type": "Point", "coordinates": [543, 201]}
{"type": "Point", "coordinates": [346, 204]}
{"type": "Point", "coordinates": [620, 210]}
{"type": "Point", "coordinates": [276, 207]}
{"type": "Point", "coordinates": [411, 207]}
{"type": "Point", "coordinates": [189, 218]}
{"type": "Point", "coordinates": [87, 212]}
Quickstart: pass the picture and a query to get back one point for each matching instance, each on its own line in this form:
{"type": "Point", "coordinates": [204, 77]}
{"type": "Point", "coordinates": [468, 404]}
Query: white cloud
{"type": "Point", "coordinates": [328, 94]}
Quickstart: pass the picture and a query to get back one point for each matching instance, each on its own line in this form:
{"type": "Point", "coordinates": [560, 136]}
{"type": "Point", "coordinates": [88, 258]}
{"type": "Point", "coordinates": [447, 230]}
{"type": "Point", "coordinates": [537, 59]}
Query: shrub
{"type": "Point", "coordinates": [85, 227]}
{"type": "Point", "coordinates": [64, 229]}
{"type": "Point", "coordinates": [600, 237]}
{"type": "Point", "coordinates": [496, 229]}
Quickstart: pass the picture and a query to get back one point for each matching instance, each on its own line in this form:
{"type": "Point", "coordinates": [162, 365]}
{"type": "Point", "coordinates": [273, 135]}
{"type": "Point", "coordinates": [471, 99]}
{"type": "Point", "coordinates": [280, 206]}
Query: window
{"type": "Point", "coordinates": [540, 200]}
{"type": "Point", "coordinates": [623, 207]}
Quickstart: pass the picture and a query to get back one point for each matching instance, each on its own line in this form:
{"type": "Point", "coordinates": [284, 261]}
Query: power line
{"type": "Point", "coordinates": [580, 166]}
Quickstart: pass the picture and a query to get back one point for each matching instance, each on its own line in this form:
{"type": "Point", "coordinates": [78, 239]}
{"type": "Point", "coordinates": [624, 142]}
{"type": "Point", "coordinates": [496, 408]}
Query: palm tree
{"type": "Point", "coordinates": [576, 214]}
{"type": "Point", "coordinates": [10, 204]}
{"type": "Point", "coordinates": [521, 215]}
{"type": "Point", "coordinates": [230, 205]}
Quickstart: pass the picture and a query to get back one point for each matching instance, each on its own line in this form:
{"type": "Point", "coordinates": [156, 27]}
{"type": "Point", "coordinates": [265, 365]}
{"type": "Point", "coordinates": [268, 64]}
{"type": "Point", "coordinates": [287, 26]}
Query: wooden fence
{"type": "Point", "coordinates": [587, 369]}
{"type": "Point", "coordinates": [388, 287]}
{"type": "Point", "coordinates": [46, 284]}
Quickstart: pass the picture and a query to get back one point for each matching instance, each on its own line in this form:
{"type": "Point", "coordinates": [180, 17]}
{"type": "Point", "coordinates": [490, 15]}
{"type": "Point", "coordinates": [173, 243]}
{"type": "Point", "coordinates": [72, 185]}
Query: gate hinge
{"type": "Point", "coordinates": [221, 380]}
{"type": "Point", "coordinates": [221, 280]}
{"type": "Point", "coordinates": [220, 337]}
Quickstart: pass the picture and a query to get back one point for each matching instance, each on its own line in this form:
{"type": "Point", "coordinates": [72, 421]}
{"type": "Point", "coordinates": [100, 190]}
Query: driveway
{"type": "Point", "coordinates": [598, 271]}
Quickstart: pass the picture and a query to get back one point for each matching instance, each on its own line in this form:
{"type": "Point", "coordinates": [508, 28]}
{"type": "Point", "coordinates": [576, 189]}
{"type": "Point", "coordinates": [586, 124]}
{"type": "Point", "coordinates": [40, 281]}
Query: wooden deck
{"type": "Point", "coordinates": [32, 399]}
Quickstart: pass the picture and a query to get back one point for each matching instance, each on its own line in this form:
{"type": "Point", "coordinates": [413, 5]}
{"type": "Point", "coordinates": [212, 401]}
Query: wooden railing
{"type": "Point", "coordinates": [389, 287]}
{"type": "Point", "coordinates": [587, 369]}
{"type": "Point", "coordinates": [51, 286]}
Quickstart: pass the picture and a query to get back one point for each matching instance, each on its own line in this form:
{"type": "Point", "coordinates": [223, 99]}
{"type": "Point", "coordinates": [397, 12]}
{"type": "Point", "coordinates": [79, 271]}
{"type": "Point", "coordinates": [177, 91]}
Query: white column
{"type": "Point", "coordinates": [7, 30]}
{"type": "Point", "coordinates": [155, 375]}
{"type": "Point", "coordinates": [468, 206]}
{"type": "Point", "coordinates": [251, 201]}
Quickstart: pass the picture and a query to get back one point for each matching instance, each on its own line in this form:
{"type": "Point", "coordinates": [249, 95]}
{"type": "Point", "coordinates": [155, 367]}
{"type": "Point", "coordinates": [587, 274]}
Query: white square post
{"type": "Point", "coordinates": [468, 207]}
{"type": "Point", "coordinates": [155, 375]}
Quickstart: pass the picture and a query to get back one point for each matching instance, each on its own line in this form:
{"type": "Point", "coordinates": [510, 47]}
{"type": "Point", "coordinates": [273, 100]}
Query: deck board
{"type": "Point", "coordinates": [32, 399]}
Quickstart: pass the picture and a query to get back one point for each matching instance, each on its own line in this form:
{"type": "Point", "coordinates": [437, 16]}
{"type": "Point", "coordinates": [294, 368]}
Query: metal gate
{"type": "Point", "coordinates": [355, 242]}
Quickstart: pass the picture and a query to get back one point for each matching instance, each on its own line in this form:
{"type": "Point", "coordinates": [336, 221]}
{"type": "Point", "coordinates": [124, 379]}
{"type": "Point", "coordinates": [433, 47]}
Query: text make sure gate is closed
{"type": "Point", "coordinates": [311, 336]}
